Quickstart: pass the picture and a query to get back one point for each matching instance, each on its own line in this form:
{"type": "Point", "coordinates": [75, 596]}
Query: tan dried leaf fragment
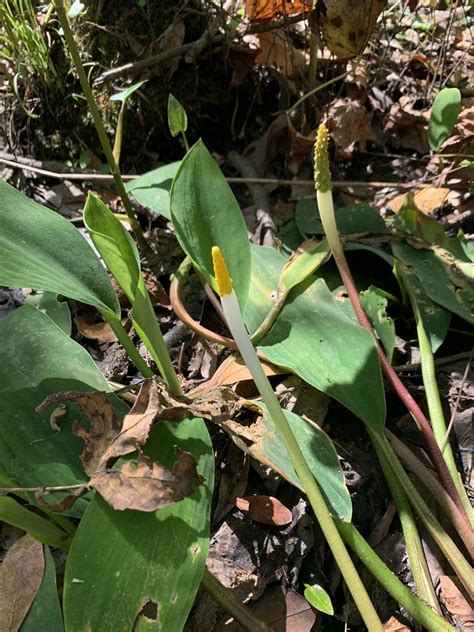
{"type": "Point", "coordinates": [21, 575]}
{"type": "Point", "coordinates": [146, 485]}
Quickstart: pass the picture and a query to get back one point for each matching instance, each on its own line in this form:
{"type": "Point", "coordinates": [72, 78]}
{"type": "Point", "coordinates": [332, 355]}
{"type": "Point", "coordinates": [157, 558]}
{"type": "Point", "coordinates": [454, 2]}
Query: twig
{"type": "Point", "coordinates": [401, 368]}
{"type": "Point", "coordinates": [135, 67]}
{"type": "Point", "coordinates": [27, 164]}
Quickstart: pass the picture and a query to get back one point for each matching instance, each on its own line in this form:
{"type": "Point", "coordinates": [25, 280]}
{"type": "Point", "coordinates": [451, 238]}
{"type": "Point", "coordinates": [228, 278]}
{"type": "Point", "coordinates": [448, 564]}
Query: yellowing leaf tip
{"type": "Point", "coordinates": [224, 282]}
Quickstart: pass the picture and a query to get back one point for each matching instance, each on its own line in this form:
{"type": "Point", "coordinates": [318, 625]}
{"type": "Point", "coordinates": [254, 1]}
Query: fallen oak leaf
{"type": "Point", "coordinates": [146, 485]}
{"type": "Point", "coordinates": [264, 509]}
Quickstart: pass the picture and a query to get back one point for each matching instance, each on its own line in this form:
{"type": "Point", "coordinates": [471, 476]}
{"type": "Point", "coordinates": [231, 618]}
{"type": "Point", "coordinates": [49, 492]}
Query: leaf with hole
{"type": "Point", "coordinates": [149, 565]}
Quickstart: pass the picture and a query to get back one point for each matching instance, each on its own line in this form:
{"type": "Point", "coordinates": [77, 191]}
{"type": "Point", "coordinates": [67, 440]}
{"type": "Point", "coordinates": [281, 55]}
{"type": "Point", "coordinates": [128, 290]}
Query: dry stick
{"type": "Point", "coordinates": [330, 228]}
{"type": "Point", "coordinates": [429, 480]}
{"type": "Point", "coordinates": [99, 124]}
{"type": "Point", "coordinates": [27, 164]}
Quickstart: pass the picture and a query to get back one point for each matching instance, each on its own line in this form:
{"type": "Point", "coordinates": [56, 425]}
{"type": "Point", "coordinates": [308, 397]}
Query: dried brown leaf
{"type": "Point", "coordinates": [265, 509]}
{"type": "Point", "coordinates": [21, 575]}
{"type": "Point", "coordinates": [427, 200]}
{"type": "Point", "coordinates": [456, 603]}
{"type": "Point", "coordinates": [394, 625]}
{"type": "Point", "coordinates": [349, 124]}
{"type": "Point", "coordinates": [104, 427]}
{"type": "Point", "coordinates": [232, 371]}
{"type": "Point", "coordinates": [347, 25]}
{"type": "Point", "coordinates": [148, 486]}
{"type": "Point", "coordinates": [261, 10]}
{"type": "Point", "coordinates": [102, 332]}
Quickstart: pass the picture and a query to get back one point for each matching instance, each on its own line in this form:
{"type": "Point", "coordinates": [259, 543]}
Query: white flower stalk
{"type": "Point", "coordinates": [241, 337]}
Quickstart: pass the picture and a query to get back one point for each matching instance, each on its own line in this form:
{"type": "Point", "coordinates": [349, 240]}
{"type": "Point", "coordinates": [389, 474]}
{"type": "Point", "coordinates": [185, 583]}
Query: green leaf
{"type": "Point", "coordinates": [42, 250]}
{"type": "Point", "coordinates": [318, 598]}
{"type": "Point", "coordinates": [319, 453]}
{"type": "Point", "coordinates": [205, 213]}
{"type": "Point", "coordinates": [440, 281]}
{"type": "Point", "coordinates": [304, 262]}
{"type": "Point", "coordinates": [126, 565]}
{"type": "Point", "coordinates": [436, 319]}
{"type": "Point", "coordinates": [114, 243]}
{"type": "Point", "coordinates": [444, 114]}
{"type": "Point", "coordinates": [58, 311]}
{"type": "Point", "coordinates": [152, 189]}
{"type": "Point", "coordinates": [356, 218]}
{"type": "Point", "coordinates": [120, 254]}
{"type": "Point", "coordinates": [314, 339]}
{"type": "Point", "coordinates": [375, 306]}
{"type": "Point", "coordinates": [177, 118]}
{"type": "Point", "coordinates": [45, 611]}
{"type": "Point", "coordinates": [11, 512]}
{"type": "Point", "coordinates": [125, 94]}
{"type": "Point", "coordinates": [267, 264]}
{"type": "Point", "coordinates": [38, 359]}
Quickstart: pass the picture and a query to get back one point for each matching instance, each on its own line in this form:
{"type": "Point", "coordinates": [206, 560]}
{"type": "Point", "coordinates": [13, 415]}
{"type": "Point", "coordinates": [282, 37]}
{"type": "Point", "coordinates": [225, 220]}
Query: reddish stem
{"type": "Point", "coordinates": [431, 445]}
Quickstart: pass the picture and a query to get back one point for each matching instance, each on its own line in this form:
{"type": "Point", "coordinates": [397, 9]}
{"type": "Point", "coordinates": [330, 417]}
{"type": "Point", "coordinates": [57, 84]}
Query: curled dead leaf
{"type": "Point", "coordinates": [265, 509]}
{"type": "Point", "coordinates": [146, 485]}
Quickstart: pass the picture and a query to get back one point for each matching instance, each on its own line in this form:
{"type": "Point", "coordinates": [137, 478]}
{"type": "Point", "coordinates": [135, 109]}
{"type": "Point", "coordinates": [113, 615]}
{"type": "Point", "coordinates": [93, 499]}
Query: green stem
{"type": "Point", "coordinates": [42, 530]}
{"type": "Point", "coordinates": [398, 591]}
{"type": "Point", "coordinates": [416, 555]}
{"type": "Point", "coordinates": [435, 408]}
{"type": "Point", "coordinates": [99, 124]}
{"type": "Point", "coordinates": [117, 150]}
{"type": "Point", "coordinates": [328, 219]}
{"type": "Point", "coordinates": [185, 141]}
{"type": "Point", "coordinates": [316, 499]}
{"type": "Point", "coordinates": [226, 598]}
{"type": "Point", "coordinates": [127, 344]}
{"type": "Point", "coordinates": [451, 552]}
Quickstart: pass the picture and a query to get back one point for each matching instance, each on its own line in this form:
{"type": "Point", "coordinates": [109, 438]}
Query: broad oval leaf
{"type": "Point", "coordinates": [205, 213]}
{"type": "Point", "coordinates": [318, 598]}
{"type": "Point", "coordinates": [444, 114]}
{"type": "Point", "coordinates": [319, 453]}
{"type": "Point", "coordinates": [313, 338]}
{"type": "Point", "coordinates": [39, 359]}
{"type": "Point", "coordinates": [152, 189]}
{"type": "Point", "coordinates": [45, 611]}
{"type": "Point", "coordinates": [177, 118]}
{"type": "Point", "coordinates": [142, 570]}
{"type": "Point", "coordinates": [42, 250]}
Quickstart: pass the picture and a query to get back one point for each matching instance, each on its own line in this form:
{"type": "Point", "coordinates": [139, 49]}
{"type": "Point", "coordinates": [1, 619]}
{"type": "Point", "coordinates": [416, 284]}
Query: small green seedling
{"type": "Point", "coordinates": [318, 598]}
{"type": "Point", "coordinates": [444, 114]}
{"type": "Point", "coordinates": [177, 119]}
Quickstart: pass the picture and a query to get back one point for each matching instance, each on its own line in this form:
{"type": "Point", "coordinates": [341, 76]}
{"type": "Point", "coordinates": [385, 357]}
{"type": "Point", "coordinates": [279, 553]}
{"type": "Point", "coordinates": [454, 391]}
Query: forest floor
{"type": "Point", "coordinates": [246, 94]}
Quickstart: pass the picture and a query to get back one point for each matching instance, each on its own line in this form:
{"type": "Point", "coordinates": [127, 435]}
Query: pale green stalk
{"type": "Point", "coordinates": [398, 591]}
{"type": "Point", "coordinates": [237, 327]}
{"type": "Point", "coordinates": [99, 124]}
{"type": "Point", "coordinates": [435, 407]}
{"type": "Point", "coordinates": [446, 545]}
{"type": "Point", "coordinates": [127, 344]}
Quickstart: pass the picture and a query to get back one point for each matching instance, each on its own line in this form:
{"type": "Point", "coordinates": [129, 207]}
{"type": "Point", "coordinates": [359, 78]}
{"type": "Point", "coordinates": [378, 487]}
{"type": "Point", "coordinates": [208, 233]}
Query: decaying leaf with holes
{"type": "Point", "coordinates": [146, 485]}
{"type": "Point", "coordinates": [347, 25]}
